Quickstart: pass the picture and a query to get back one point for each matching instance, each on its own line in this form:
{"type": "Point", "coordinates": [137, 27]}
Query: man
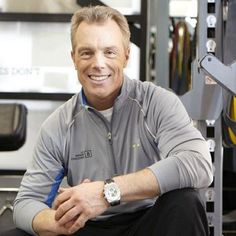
{"type": "Point", "coordinates": [121, 143]}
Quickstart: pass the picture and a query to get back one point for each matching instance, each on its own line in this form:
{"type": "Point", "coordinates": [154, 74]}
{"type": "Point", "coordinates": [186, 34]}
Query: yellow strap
{"type": "Point", "coordinates": [233, 117]}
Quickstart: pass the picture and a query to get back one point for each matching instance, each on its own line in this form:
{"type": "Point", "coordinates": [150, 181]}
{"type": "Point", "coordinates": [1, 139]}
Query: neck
{"type": "Point", "coordinates": [102, 103]}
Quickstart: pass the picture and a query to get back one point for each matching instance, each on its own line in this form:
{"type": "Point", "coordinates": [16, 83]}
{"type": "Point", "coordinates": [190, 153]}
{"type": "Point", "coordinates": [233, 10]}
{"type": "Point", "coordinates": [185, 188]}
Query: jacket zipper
{"type": "Point", "coordinates": [109, 137]}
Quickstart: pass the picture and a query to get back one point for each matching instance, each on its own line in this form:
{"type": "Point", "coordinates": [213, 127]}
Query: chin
{"type": "Point", "coordinates": [101, 95]}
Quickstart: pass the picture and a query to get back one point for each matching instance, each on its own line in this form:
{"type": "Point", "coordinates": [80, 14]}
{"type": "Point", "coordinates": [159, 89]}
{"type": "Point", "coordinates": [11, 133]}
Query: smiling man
{"type": "Point", "coordinates": [131, 155]}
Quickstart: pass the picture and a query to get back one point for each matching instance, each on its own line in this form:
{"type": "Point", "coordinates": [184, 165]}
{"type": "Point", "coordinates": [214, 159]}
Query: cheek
{"type": "Point", "coordinates": [117, 66]}
{"type": "Point", "coordinates": [82, 67]}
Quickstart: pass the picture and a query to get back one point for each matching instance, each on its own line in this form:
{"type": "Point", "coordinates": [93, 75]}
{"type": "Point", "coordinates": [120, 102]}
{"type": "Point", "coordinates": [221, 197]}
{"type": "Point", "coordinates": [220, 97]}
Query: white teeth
{"type": "Point", "coordinates": [99, 78]}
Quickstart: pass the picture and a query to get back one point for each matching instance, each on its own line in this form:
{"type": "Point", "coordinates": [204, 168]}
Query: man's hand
{"type": "Point", "coordinates": [75, 205]}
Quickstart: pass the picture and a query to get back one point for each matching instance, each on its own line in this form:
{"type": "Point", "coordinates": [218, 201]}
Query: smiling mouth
{"type": "Point", "coordinates": [99, 77]}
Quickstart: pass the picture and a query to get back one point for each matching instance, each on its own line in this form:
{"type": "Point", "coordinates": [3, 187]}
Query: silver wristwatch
{"type": "Point", "coordinates": [111, 192]}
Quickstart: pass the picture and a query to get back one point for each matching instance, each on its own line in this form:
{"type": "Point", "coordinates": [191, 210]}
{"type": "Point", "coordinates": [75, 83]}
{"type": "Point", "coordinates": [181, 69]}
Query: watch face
{"type": "Point", "coordinates": [112, 192]}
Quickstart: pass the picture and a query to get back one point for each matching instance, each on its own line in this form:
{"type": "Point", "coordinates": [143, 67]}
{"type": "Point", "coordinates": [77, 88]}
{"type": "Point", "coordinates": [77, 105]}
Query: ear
{"type": "Point", "coordinates": [127, 52]}
{"type": "Point", "coordinates": [73, 58]}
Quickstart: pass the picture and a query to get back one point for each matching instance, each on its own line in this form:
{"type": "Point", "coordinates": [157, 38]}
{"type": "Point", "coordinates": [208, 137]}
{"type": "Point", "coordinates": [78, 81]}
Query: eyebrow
{"type": "Point", "coordinates": [84, 49]}
{"type": "Point", "coordinates": [90, 48]}
{"type": "Point", "coordinates": [112, 48]}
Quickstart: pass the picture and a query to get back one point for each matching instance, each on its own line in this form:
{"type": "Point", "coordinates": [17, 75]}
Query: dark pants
{"type": "Point", "coordinates": [176, 213]}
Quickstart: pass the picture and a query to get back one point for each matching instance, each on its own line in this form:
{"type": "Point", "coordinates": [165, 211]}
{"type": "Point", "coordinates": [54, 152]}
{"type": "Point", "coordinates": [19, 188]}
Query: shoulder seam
{"type": "Point", "coordinates": [145, 122]}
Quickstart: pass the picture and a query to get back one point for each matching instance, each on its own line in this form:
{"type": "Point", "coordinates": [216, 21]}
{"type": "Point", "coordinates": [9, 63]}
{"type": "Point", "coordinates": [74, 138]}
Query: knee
{"type": "Point", "coordinates": [186, 200]}
{"type": "Point", "coordinates": [184, 208]}
{"type": "Point", "coordinates": [187, 196]}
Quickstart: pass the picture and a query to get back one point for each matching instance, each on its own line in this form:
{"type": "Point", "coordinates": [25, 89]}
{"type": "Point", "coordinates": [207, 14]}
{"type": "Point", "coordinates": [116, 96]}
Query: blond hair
{"type": "Point", "coordinates": [99, 14]}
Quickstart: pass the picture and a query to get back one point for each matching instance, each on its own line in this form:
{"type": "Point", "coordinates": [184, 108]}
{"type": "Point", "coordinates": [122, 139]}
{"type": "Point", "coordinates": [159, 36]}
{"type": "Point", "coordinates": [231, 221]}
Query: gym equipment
{"type": "Point", "coordinates": [12, 126]}
{"type": "Point", "coordinates": [13, 120]}
{"type": "Point", "coordinates": [222, 69]}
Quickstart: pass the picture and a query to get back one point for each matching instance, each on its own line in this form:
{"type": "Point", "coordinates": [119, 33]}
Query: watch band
{"type": "Point", "coordinates": [108, 181]}
{"type": "Point", "coordinates": [115, 203]}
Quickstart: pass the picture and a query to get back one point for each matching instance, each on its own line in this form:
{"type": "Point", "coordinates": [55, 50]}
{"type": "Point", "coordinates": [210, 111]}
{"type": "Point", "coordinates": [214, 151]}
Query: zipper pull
{"type": "Point", "coordinates": [109, 137]}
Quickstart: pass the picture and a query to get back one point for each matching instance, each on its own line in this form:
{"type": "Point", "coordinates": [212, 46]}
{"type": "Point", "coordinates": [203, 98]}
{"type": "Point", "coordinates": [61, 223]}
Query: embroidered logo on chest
{"type": "Point", "coordinates": [83, 155]}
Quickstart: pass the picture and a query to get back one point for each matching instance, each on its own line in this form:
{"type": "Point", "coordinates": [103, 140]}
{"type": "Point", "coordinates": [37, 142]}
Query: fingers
{"type": "Point", "coordinates": [63, 209]}
{"type": "Point", "coordinates": [75, 205]}
{"type": "Point", "coordinates": [61, 230]}
{"type": "Point", "coordinates": [62, 197]}
{"type": "Point", "coordinates": [78, 224]}
{"type": "Point", "coordinates": [61, 190]}
{"type": "Point", "coordinates": [86, 181]}
{"type": "Point", "coordinates": [69, 215]}
{"type": "Point", "coordinates": [70, 223]}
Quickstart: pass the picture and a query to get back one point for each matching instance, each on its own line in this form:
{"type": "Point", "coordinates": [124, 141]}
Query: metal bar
{"type": "Point", "coordinates": [35, 17]}
{"type": "Point", "coordinates": [144, 26]}
{"type": "Point", "coordinates": [84, 3]}
{"type": "Point", "coordinates": [36, 96]}
{"type": "Point", "coordinates": [9, 189]}
{"type": "Point", "coordinates": [11, 173]}
{"type": "Point", "coordinates": [224, 75]}
{"type": "Point", "coordinates": [135, 35]}
{"type": "Point", "coordinates": [159, 16]}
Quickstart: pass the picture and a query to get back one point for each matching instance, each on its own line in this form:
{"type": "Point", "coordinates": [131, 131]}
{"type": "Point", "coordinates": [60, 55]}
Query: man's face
{"type": "Point", "coordinates": [99, 57]}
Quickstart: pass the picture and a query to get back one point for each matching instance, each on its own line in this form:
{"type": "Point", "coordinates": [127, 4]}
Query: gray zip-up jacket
{"type": "Point", "coordinates": [149, 128]}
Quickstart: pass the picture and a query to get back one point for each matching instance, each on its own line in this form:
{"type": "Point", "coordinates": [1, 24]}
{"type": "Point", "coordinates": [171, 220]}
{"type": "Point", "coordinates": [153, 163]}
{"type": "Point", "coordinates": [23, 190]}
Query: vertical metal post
{"type": "Point", "coordinates": [208, 12]}
{"type": "Point", "coordinates": [159, 21]}
{"type": "Point", "coordinates": [211, 130]}
{"type": "Point", "coordinates": [144, 38]}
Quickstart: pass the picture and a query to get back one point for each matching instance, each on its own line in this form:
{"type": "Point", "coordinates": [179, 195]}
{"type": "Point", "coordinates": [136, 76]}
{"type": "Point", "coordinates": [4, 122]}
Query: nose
{"type": "Point", "coordinates": [99, 61]}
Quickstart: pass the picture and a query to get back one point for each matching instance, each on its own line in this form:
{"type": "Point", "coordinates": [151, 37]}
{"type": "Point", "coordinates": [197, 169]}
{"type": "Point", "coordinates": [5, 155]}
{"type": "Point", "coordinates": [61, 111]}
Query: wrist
{"type": "Point", "coordinates": [40, 220]}
{"type": "Point", "coordinates": [138, 185]}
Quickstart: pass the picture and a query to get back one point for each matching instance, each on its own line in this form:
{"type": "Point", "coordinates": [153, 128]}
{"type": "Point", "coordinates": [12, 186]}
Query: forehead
{"type": "Point", "coordinates": [107, 32]}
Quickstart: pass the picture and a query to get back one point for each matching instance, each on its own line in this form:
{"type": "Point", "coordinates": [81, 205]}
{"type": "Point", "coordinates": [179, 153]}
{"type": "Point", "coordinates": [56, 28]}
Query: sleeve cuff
{"type": "Point", "coordinates": [167, 174]}
{"type": "Point", "coordinates": [24, 220]}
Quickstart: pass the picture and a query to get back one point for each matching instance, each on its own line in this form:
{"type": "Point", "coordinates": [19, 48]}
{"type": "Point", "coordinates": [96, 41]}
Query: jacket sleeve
{"type": "Point", "coordinates": [187, 165]}
{"type": "Point", "coordinates": [40, 183]}
{"type": "Point", "coordinates": [185, 157]}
